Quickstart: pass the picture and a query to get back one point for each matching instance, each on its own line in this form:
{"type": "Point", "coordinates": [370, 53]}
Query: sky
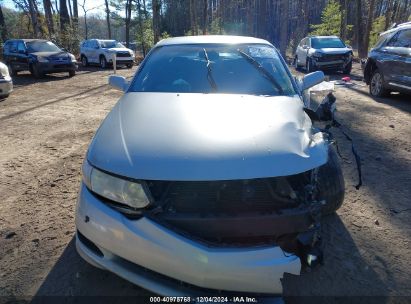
{"type": "Point", "coordinates": [89, 5]}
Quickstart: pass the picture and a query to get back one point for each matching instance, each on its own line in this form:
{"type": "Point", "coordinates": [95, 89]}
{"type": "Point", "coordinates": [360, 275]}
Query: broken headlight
{"type": "Point", "coordinates": [117, 189]}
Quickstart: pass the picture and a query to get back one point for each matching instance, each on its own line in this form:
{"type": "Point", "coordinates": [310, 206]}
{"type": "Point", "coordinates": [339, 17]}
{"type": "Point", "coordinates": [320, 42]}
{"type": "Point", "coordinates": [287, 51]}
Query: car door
{"type": "Point", "coordinates": [401, 66]}
{"type": "Point", "coordinates": [22, 56]}
{"type": "Point", "coordinates": [95, 50]}
{"type": "Point", "coordinates": [392, 59]}
{"type": "Point", "coordinates": [11, 57]}
{"type": "Point", "coordinates": [302, 52]}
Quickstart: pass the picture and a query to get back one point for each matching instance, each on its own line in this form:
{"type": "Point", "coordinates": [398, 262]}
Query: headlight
{"type": "Point", "coordinates": [131, 53]}
{"type": "Point", "coordinates": [73, 58]}
{"type": "Point", "coordinates": [42, 59]}
{"type": "Point", "coordinates": [114, 188]}
{"type": "Point", "coordinates": [318, 54]}
{"type": "Point", "coordinates": [4, 70]}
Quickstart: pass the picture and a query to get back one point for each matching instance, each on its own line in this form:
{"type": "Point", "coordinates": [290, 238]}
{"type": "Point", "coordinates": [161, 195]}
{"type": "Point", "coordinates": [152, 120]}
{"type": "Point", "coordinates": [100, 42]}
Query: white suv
{"type": "Point", "coordinates": [102, 52]}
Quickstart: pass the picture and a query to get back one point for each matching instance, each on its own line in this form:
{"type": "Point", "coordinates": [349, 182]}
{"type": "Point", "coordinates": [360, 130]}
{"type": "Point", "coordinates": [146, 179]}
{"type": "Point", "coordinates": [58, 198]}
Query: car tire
{"type": "Point", "coordinates": [36, 72]}
{"type": "Point", "coordinates": [4, 96]}
{"type": "Point", "coordinates": [11, 70]}
{"type": "Point", "coordinates": [103, 62]}
{"type": "Point", "coordinates": [129, 66]}
{"type": "Point", "coordinates": [72, 73]}
{"type": "Point", "coordinates": [296, 63]}
{"type": "Point", "coordinates": [84, 61]}
{"type": "Point", "coordinates": [348, 68]}
{"type": "Point", "coordinates": [331, 186]}
{"type": "Point", "coordinates": [310, 68]}
{"type": "Point", "coordinates": [377, 85]}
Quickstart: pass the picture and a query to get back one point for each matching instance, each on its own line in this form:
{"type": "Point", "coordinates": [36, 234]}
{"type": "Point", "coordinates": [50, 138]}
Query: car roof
{"type": "Point", "coordinates": [29, 40]}
{"type": "Point", "coordinates": [318, 36]}
{"type": "Point", "coordinates": [402, 26]}
{"type": "Point", "coordinates": [212, 39]}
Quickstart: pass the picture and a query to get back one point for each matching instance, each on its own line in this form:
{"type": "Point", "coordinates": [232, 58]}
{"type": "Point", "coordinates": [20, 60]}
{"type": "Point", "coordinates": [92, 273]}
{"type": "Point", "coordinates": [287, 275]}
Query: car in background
{"type": "Point", "coordinates": [323, 53]}
{"type": "Point", "coordinates": [388, 66]}
{"type": "Point", "coordinates": [38, 56]}
{"type": "Point", "coordinates": [6, 83]}
{"type": "Point", "coordinates": [102, 52]}
{"type": "Point", "coordinates": [207, 176]}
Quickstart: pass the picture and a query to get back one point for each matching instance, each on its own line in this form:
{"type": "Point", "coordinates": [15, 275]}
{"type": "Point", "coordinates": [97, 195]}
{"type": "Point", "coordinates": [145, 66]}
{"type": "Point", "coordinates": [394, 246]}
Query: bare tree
{"type": "Point", "coordinates": [156, 19]}
{"type": "Point", "coordinates": [3, 26]}
{"type": "Point", "coordinates": [128, 21]}
{"type": "Point", "coordinates": [108, 18]}
{"type": "Point", "coordinates": [205, 17]}
{"type": "Point", "coordinates": [33, 16]}
{"type": "Point", "coordinates": [85, 11]}
{"type": "Point", "coordinates": [284, 27]}
{"type": "Point", "coordinates": [49, 17]}
{"type": "Point", "coordinates": [369, 25]}
{"type": "Point", "coordinates": [64, 16]}
{"type": "Point", "coordinates": [344, 12]}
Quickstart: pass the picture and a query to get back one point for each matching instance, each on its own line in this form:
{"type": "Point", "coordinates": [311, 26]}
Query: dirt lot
{"type": "Point", "coordinates": [47, 125]}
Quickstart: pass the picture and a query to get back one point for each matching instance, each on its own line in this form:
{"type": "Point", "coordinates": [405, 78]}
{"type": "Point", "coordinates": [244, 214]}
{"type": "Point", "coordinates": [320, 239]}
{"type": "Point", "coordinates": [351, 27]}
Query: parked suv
{"type": "Point", "coordinates": [102, 52]}
{"type": "Point", "coordinates": [38, 56]}
{"type": "Point", "coordinates": [6, 83]}
{"type": "Point", "coordinates": [388, 66]}
{"type": "Point", "coordinates": [323, 52]}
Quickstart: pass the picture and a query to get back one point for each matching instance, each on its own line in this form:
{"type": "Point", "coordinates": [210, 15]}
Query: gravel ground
{"type": "Point", "coordinates": [47, 125]}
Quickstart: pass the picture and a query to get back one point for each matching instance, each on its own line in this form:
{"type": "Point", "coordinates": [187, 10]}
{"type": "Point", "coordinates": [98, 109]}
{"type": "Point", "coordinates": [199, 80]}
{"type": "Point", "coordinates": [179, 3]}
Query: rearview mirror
{"type": "Point", "coordinates": [118, 82]}
{"type": "Point", "coordinates": [311, 80]}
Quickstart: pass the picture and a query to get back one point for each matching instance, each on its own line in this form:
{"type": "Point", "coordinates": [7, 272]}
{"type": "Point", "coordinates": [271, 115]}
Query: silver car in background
{"type": "Point", "coordinates": [104, 52]}
{"type": "Point", "coordinates": [323, 53]}
{"type": "Point", "coordinates": [207, 177]}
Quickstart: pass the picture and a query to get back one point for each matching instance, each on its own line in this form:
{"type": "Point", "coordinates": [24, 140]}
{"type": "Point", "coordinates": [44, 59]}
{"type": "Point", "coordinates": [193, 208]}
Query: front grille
{"type": "Point", "coordinates": [235, 212]}
{"type": "Point", "coordinates": [61, 66]}
{"type": "Point", "coordinates": [328, 57]}
{"type": "Point", "coordinates": [123, 54]}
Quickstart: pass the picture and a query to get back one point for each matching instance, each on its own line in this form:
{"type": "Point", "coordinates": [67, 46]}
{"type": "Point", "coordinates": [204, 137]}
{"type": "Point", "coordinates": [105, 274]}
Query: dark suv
{"type": "Point", "coordinates": [388, 67]}
{"type": "Point", "coordinates": [38, 56]}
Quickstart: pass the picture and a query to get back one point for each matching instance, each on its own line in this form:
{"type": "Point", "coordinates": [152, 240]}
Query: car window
{"type": "Point", "coordinates": [21, 47]}
{"type": "Point", "coordinates": [13, 47]}
{"type": "Point", "coordinates": [41, 46]}
{"type": "Point", "coordinates": [382, 39]}
{"type": "Point", "coordinates": [327, 42]}
{"type": "Point", "coordinates": [183, 68]}
{"type": "Point", "coordinates": [401, 39]}
{"type": "Point", "coordinates": [110, 44]}
{"type": "Point", "coordinates": [304, 42]}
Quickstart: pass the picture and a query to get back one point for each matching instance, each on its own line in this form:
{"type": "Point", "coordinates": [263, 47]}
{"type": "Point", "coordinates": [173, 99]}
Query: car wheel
{"type": "Point", "coordinates": [377, 85]}
{"type": "Point", "coordinates": [129, 66]}
{"type": "Point", "coordinates": [103, 62]}
{"type": "Point", "coordinates": [348, 68]}
{"type": "Point", "coordinates": [11, 70]}
{"type": "Point", "coordinates": [36, 72]}
{"type": "Point", "coordinates": [84, 61]}
{"type": "Point", "coordinates": [296, 63]}
{"type": "Point", "coordinates": [4, 96]}
{"type": "Point", "coordinates": [72, 73]}
{"type": "Point", "coordinates": [310, 67]}
{"type": "Point", "coordinates": [331, 186]}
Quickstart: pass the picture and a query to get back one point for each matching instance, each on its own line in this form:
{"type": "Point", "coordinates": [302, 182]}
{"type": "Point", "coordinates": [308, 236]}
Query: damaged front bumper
{"type": "Point", "coordinates": [166, 262]}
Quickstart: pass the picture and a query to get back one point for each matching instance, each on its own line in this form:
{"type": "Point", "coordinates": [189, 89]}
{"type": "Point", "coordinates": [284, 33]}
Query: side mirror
{"type": "Point", "coordinates": [306, 47]}
{"type": "Point", "coordinates": [349, 46]}
{"type": "Point", "coordinates": [22, 52]}
{"type": "Point", "coordinates": [97, 47]}
{"type": "Point", "coordinates": [118, 82]}
{"type": "Point", "coordinates": [311, 80]}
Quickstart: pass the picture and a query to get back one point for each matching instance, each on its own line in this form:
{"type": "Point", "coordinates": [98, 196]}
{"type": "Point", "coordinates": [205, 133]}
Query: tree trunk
{"type": "Point", "coordinates": [156, 19]}
{"type": "Point", "coordinates": [128, 21]}
{"type": "Point", "coordinates": [3, 26]}
{"type": "Point", "coordinates": [70, 10]}
{"type": "Point", "coordinates": [388, 14]}
{"type": "Point", "coordinates": [362, 51]}
{"type": "Point", "coordinates": [140, 25]}
{"type": "Point", "coordinates": [284, 27]}
{"type": "Point", "coordinates": [33, 17]}
{"type": "Point", "coordinates": [369, 25]}
{"type": "Point", "coordinates": [49, 17]}
{"type": "Point", "coordinates": [108, 18]}
{"type": "Point", "coordinates": [64, 16]}
{"type": "Point", "coordinates": [205, 17]}
{"type": "Point", "coordinates": [75, 15]}
{"type": "Point", "coordinates": [343, 30]}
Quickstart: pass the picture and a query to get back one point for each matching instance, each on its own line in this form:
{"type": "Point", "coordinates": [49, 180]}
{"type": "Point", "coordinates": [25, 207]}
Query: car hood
{"type": "Point", "coordinates": [51, 54]}
{"type": "Point", "coordinates": [119, 49]}
{"type": "Point", "coordinates": [334, 51]}
{"type": "Point", "coordinates": [169, 136]}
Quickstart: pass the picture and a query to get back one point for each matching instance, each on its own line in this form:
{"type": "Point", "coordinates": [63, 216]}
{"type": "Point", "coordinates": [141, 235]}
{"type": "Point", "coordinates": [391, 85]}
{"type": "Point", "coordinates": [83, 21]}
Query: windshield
{"type": "Point", "coordinates": [320, 43]}
{"type": "Point", "coordinates": [42, 46]}
{"type": "Point", "coordinates": [107, 44]}
{"type": "Point", "coordinates": [215, 68]}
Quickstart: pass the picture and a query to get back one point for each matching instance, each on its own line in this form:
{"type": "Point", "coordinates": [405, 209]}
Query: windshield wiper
{"type": "Point", "coordinates": [262, 70]}
{"type": "Point", "coordinates": [209, 72]}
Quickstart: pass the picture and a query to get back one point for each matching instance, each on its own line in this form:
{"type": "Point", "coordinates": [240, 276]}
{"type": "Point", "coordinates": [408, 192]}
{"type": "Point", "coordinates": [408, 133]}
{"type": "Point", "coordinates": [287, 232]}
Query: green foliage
{"type": "Point", "coordinates": [378, 26]}
{"type": "Point", "coordinates": [330, 20]}
{"type": "Point", "coordinates": [69, 39]}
